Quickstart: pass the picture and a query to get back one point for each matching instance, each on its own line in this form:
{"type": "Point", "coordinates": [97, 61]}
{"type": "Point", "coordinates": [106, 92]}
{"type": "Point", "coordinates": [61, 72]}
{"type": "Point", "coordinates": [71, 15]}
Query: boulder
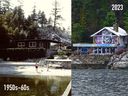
{"type": "Point", "coordinates": [120, 65]}
{"type": "Point", "coordinates": [119, 61]}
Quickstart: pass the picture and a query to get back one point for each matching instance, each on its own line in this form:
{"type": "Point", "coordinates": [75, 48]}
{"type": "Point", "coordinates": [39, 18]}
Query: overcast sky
{"type": "Point", "coordinates": [47, 6]}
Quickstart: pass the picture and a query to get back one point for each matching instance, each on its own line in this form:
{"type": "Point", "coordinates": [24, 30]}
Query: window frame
{"type": "Point", "coordinates": [32, 44]}
{"type": "Point", "coordinates": [21, 44]}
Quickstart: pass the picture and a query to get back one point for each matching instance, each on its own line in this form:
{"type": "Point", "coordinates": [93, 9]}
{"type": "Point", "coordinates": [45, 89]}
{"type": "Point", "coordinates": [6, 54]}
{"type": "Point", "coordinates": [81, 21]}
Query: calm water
{"type": "Point", "coordinates": [100, 82]}
{"type": "Point", "coordinates": [38, 85]}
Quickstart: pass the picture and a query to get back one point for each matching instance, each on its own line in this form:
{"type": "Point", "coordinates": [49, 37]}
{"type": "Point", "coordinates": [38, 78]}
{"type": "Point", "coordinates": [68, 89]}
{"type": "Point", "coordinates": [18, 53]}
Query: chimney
{"type": "Point", "coordinates": [115, 27]}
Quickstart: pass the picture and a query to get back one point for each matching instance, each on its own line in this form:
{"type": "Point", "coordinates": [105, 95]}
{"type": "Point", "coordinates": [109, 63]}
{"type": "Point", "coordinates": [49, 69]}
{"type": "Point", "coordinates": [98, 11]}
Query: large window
{"type": "Point", "coordinates": [32, 44]}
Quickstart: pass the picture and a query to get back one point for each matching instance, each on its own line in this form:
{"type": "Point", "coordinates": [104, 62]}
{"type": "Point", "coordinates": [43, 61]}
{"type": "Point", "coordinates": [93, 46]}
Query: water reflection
{"type": "Point", "coordinates": [38, 85]}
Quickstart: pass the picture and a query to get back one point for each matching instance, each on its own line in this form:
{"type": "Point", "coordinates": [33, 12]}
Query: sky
{"type": "Point", "coordinates": [47, 6]}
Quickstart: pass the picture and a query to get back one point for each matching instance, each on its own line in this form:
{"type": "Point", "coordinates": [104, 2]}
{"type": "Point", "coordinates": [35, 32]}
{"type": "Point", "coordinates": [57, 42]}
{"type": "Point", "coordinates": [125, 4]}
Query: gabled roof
{"type": "Point", "coordinates": [121, 32]}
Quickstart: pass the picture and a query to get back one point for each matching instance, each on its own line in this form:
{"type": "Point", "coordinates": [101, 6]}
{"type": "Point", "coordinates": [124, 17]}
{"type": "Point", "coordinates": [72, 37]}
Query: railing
{"type": "Point", "coordinates": [67, 90]}
{"type": "Point", "coordinates": [58, 60]}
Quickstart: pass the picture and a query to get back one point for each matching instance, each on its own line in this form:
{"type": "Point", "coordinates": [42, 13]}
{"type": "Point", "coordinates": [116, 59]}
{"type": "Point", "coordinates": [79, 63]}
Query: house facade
{"type": "Point", "coordinates": [108, 35]}
{"type": "Point", "coordinates": [26, 49]}
{"type": "Point", "coordinates": [105, 41]}
{"type": "Point", "coordinates": [32, 43]}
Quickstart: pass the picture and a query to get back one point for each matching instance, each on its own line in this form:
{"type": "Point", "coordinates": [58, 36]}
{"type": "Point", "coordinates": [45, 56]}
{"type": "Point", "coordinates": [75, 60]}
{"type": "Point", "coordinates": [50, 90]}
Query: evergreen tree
{"type": "Point", "coordinates": [17, 22]}
{"type": "Point", "coordinates": [42, 19]}
{"type": "Point", "coordinates": [55, 13]}
{"type": "Point", "coordinates": [33, 27]}
{"type": "Point", "coordinates": [126, 21]}
{"type": "Point", "coordinates": [89, 16]}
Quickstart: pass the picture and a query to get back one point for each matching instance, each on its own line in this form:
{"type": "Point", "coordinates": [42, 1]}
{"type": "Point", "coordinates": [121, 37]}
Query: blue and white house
{"type": "Point", "coordinates": [105, 41]}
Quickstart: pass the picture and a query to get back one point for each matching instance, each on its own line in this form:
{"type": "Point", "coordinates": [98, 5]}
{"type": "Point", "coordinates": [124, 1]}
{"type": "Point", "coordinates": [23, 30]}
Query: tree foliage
{"type": "Point", "coordinates": [94, 15]}
{"type": "Point", "coordinates": [15, 26]}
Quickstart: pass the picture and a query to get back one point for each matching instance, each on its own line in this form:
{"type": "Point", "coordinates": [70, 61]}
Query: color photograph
{"type": "Point", "coordinates": [100, 48]}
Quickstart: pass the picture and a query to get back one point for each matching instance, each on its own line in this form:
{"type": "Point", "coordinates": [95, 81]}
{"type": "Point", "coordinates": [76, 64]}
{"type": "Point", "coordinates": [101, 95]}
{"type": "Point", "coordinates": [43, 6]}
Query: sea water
{"type": "Point", "coordinates": [99, 82]}
{"type": "Point", "coordinates": [38, 85]}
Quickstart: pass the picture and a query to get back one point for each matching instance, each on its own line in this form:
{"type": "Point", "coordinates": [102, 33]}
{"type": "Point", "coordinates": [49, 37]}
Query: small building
{"type": "Point", "coordinates": [105, 41]}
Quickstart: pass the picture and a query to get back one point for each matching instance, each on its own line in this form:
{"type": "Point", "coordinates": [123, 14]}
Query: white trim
{"type": "Point", "coordinates": [121, 31]}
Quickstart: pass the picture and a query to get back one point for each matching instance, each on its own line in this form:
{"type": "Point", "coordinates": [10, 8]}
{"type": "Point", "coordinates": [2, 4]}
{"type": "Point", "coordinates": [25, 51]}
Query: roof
{"type": "Point", "coordinates": [32, 40]}
{"type": "Point", "coordinates": [121, 32]}
{"type": "Point", "coordinates": [93, 45]}
{"type": "Point", "coordinates": [57, 36]}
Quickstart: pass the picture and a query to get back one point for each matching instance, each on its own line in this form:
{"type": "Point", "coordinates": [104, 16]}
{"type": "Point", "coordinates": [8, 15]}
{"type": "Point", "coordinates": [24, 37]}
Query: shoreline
{"type": "Point", "coordinates": [87, 66]}
{"type": "Point", "coordinates": [17, 69]}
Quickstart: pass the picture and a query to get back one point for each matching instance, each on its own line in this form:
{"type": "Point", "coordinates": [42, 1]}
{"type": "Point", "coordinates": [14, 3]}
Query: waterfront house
{"type": "Point", "coordinates": [27, 48]}
{"type": "Point", "coordinates": [105, 41]}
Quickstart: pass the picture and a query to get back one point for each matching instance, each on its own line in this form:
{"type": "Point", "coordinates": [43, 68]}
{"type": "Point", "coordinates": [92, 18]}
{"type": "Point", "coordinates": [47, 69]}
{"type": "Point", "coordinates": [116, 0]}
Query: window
{"type": "Point", "coordinates": [100, 50]}
{"type": "Point", "coordinates": [95, 50]}
{"type": "Point", "coordinates": [21, 44]}
{"type": "Point", "coordinates": [32, 44]}
{"type": "Point", "coordinates": [40, 44]}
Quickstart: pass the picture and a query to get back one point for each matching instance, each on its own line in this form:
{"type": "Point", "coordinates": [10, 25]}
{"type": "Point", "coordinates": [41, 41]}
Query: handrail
{"type": "Point", "coordinates": [59, 60]}
{"type": "Point", "coordinates": [67, 90]}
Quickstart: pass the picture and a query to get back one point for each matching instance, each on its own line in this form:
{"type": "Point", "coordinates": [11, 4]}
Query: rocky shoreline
{"type": "Point", "coordinates": [90, 59]}
{"type": "Point", "coordinates": [115, 61]}
{"type": "Point", "coordinates": [119, 61]}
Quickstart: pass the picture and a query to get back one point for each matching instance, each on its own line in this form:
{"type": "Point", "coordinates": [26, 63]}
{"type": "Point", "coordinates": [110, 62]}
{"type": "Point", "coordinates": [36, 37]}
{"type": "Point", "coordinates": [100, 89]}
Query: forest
{"type": "Point", "coordinates": [15, 26]}
{"type": "Point", "coordinates": [89, 16]}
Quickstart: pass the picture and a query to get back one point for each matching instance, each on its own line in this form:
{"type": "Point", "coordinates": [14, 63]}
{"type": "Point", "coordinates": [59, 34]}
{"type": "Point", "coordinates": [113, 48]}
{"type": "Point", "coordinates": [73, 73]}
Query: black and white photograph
{"type": "Point", "coordinates": [35, 47]}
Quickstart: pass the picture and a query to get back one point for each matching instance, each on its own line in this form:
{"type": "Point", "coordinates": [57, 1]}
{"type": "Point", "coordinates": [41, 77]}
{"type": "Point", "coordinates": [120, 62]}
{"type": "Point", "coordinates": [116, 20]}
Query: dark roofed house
{"type": "Point", "coordinates": [27, 48]}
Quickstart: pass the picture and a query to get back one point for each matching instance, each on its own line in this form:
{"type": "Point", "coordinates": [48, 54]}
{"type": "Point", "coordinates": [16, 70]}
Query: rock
{"type": "Point", "coordinates": [119, 61]}
{"type": "Point", "coordinates": [77, 61]}
{"type": "Point", "coordinates": [125, 57]}
{"type": "Point", "coordinates": [120, 64]}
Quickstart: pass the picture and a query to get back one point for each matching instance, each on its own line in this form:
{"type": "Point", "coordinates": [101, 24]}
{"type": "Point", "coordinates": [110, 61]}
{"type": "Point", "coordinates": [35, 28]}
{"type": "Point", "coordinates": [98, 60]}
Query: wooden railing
{"type": "Point", "coordinates": [67, 90]}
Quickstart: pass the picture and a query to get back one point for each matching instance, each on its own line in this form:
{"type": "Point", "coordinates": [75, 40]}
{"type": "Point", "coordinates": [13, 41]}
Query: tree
{"type": "Point", "coordinates": [89, 16]}
{"type": "Point", "coordinates": [4, 6]}
{"type": "Point", "coordinates": [78, 32]}
{"type": "Point", "coordinates": [33, 25]}
{"type": "Point", "coordinates": [5, 17]}
{"type": "Point", "coordinates": [126, 21]}
{"type": "Point", "coordinates": [49, 22]}
{"type": "Point", "coordinates": [4, 39]}
{"type": "Point", "coordinates": [17, 21]}
{"type": "Point", "coordinates": [42, 19]}
{"type": "Point", "coordinates": [109, 20]}
{"type": "Point", "coordinates": [56, 15]}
